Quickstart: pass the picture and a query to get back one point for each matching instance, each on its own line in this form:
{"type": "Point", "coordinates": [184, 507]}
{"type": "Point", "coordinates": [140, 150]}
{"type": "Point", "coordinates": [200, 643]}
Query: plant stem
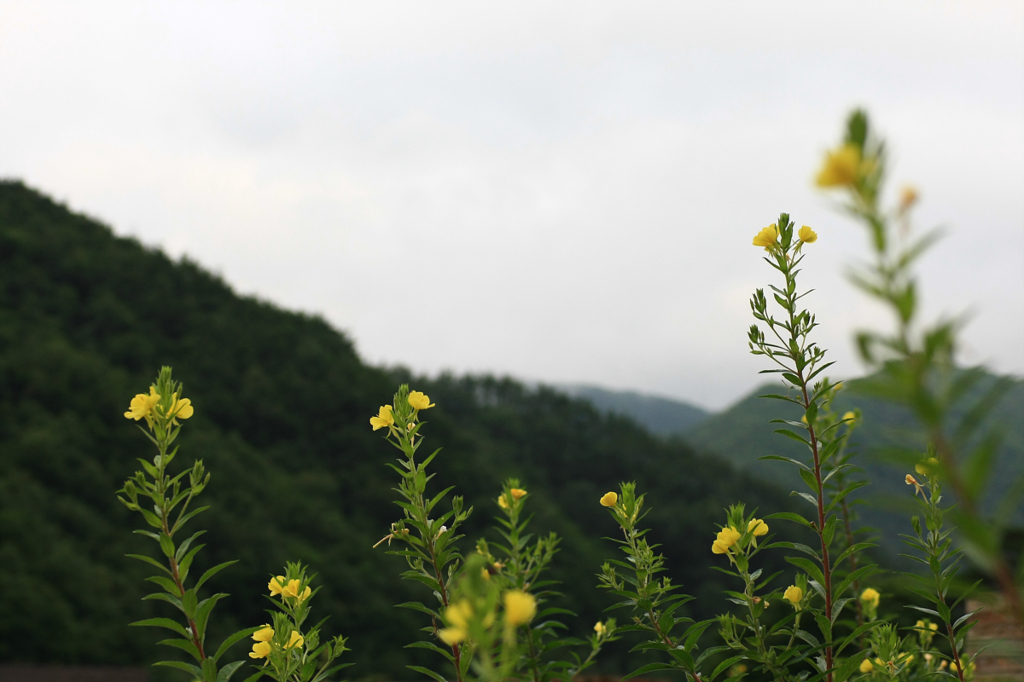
{"type": "Point", "coordinates": [171, 560]}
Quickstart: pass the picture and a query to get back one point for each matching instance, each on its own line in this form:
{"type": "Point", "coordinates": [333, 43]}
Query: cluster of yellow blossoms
{"type": "Point", "coordinates": [263, 637]}
{"type": "Point", "coordinates": [769, 236]}
{"type": "Point", "coordinates": [278, 586]}
{"type": "Point", "coordinates": [145, 406]}
{"type": "Point", "coordinates": [516, 493]}
{"type": "Point", "coordinates": [729, 536]}
{"type": "Point", "coordinates": [386, 418]}
{"type": "Point", "coordinates": [520, 608]}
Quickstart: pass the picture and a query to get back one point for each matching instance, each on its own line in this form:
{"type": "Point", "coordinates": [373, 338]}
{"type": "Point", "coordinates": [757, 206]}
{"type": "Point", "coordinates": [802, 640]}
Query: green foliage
{"type": "Point", "coordinates": [799, 360]}
{"type": "Point", "coordinates": [652, 599]}
{"type": "Point", "coordinates": [171, 496]}
{"type": "Point", "coordinates": [281, 408]}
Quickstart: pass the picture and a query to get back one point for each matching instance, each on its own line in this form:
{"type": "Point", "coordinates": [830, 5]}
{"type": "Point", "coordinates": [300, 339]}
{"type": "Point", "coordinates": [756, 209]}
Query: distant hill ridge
{"type": "Point", "coordinates": [659, 415]}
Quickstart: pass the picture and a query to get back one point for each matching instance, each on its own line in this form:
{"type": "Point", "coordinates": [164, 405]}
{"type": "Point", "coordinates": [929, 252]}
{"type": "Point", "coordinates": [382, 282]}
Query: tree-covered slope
{"type": "Point", "coordinates": [742, 434]}
{"type": "Point", "coordinates": [660, 416]}
{"type": "Point", "coordinates": [282, 406]}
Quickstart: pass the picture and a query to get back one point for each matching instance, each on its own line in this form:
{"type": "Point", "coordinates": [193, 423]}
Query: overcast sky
{"type": "Point", "coordinates": [565, 192]}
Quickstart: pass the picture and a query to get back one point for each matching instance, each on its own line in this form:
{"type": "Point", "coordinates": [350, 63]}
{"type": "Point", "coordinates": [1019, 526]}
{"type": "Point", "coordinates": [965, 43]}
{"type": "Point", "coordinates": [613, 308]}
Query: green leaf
{"type": "Point", "coordinates": [790, 516]}
{"type": "Point", "coordinates": [214, 571]}
{"type": "Point", "coordinates": [227, 671]}
{"type": "Point", "coordinates": [203, 611]}
{"type": "Point", "coordinates": [192, 670]}
{"type": "Point", "coordinates": [649, 668]}
{"type": "Point", "coordinates": [724, 665]}
{"type": "Point", "coordinates": [184, 645]}
{"type": "Point", "coordinates": [428, 672]}
{"type": "Point", "coordinates": [789, 434]}
{"type": "Point", "coordinates": [183, 547]}
{"type": "Point", "coordinates": [151, 518]}
{"type": "Point", "coordinates": [161, 623]}
{"type": "Point", "coordinates": [181, 522]}
{"type": "Point", "coordinates": [233, 639]}
{"type": "Point", "coordinates": [150, 560]}
{"type": "Point", "coordinates": [785, 459]}
{"type": "Point", "coordinates": [167, 545]}
{"type": "Point", "coordinates": [169, 585]}
{"type": "Point", "coordinates": [210, 670]}
{"type": "Point", "coordinates": [432, 647]}
{"type": "Point", "coordinates": [808, 567]}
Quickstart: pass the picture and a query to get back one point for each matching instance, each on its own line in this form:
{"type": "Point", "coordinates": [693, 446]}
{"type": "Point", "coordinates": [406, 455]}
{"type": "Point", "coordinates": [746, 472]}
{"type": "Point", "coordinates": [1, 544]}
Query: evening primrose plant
{"type": "Point", "coordinates": [290, 651]}
{"type": "Point", "coordinates": [492, 618]}
{"type": "Point", "coordinates": [914, 362]}
{"type": "Point", "coordinates": [165, 502]}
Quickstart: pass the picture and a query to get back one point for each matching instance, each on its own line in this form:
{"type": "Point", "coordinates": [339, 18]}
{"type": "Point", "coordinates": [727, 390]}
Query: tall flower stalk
{"type": "Point", "coordinates": [799, 361]}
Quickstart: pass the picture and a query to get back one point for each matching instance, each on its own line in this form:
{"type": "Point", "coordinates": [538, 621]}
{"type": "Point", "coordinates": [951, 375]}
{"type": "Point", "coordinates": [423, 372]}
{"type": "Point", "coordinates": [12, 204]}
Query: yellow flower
{"type": "Point", "coordinates": [726, 538]}
{"type": "Point", "coordinates": [600, 628]}
{"type": "Point", "coordinates": [767, 236]}
{"type": "Point", "coordinates": [296, 640]}
{"type": "Point", "coordinates": [910, 480]}
{"type": "Point", "coordinates": [908, 197]}
{"type": "Point", "coordinates": [457, 616]}
{"type": "Point", "coordinates": [609, 499]}
{"type": "Point", "coordinates": [517, 493]}
{"type": "Point", "coordinates": [807, 235]}
{"type": "Point", "coordinates": [934, 627]}
{"type": "Point", "coordinates": [265, 634]}
{"type": "Point", "coordinates": [758, 527]}
{"type": "Point", "coordinates": [292, 590]}
{"type": "Point", "coordinates": [520, 607]}
{"type": "Point", "coordinates": [452, 635]}
{"type": "Point", "coordinates": [870, 596]}
{"type": "Point", "coordinates": [182, 408]}
{"type": "Point", "coordinates": [927, 467]}
{"type": "Point", "coordinates": [276, 585]}
{"type": "Point", "coordinates": [943, 664]}
{"type": "Point", "coordinates": [142, 404]}
{"type": "Point", "coordinates": [794, 595]}
{"type": "Point", "coordinates": [848, 416]}
{"type": "Point", "coordinates": [502, 502]}
{"type": "Point", "coordinates": [865, 666]}
{"type": "Point", "coordinates": [260, 650]}
{"type": "Point", "coordinates": [419, 401]}
{"type": "Point", "coordinates": [840, 167]}
{"type": "Point", "coordinates": [383, 419]}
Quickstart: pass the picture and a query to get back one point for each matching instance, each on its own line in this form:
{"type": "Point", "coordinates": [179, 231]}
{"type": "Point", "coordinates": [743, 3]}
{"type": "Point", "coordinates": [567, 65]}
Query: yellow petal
{"type": "Point", "coordinates": [419, 401]}
{"type": "Point", "coordinates": [265, 634]}
{"type": "Point", "coordinates": [609, 499]}
{"type": "Point", "coordinates": [807, 235]}
{"type": "Point", "coordinates": [452, 635]}
{"type": "Point", "coordinates": [520, 607]}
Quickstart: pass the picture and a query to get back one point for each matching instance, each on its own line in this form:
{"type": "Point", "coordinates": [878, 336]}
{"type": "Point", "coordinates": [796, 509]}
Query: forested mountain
{"type": "Point", "coordinates": [742, 434]}
{"type": "Point", "coordinates": [661, 416]}
{"type": "Point", "coordinates": [282, 406]}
